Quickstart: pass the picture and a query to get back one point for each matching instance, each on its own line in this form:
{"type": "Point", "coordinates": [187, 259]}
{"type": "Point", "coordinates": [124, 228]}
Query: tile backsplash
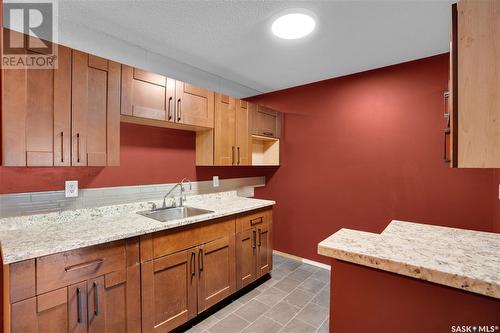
{"type": "Point", "coordinates": [19, 204]}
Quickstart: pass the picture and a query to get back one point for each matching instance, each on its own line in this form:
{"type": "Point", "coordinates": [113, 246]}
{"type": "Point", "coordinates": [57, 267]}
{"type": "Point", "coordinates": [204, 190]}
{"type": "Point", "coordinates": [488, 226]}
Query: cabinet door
{"type": "Point", "coordinates": [264, 249]}
{"type": "Point", "coordinates": [77, 308]}
{"type": "Point", "coordinates": [225, 128]}
{"type": "Point", "coordinates": [266, 122]}
{"type": "Point", "coordinates": [147, 95]}
{"type": "Point", "coordinates": [246, 257]}
{"type": "Point", "coordinates": [95, 111]}
{"type": "Point", "coordinates": [243, 135]}
{"type": "Point", "coordinates": [112, 305]}
{"type": "Point", "coordinates": [42, 314]}
{"type": "Point", "coordinates": [36, 106]}
{"type": "Point", "coordinates": [216, 272]}
{"type": "Point", "coordinates": [194, 105]}
{"type": "Point", "coordinates": [169, 291]}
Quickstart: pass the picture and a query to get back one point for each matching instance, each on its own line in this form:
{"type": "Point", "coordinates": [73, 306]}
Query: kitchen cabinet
{"type": "Point", "coordinates": [147, 95]}
{"type": "Point", "coordinates": [474, 102]}
{"type": "Point", "coordinates": [36, 110]}
{"type": "Point", "coordinates": [266, 122]}
{"type": "Point", "coordinates": [76, 292]}
{"type": "Point", "coordinates": [194, 105]}
{"type": "Point", "coordinates": [95, 109]}
{"type": "Point", "coordinates": [232, 131]}
{"type": "Point", "coordinates": [254, 246]}
{"type": "Point", "coordinates": [153, 283]}
{"type": "Point", "coordinates": [68, 116]}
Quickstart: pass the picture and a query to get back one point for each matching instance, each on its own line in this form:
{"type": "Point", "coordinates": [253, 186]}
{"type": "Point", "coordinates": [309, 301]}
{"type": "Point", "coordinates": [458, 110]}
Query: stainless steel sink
{"type": "Point", "coordinates": [173, 213]}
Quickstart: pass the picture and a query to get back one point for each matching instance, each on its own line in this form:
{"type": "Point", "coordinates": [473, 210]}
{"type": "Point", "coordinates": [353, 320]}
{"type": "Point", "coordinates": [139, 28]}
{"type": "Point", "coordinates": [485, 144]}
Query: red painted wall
{"type": "Point", "coordinates": [392, 303]}
{"type": "Point", "coordinates": [149, 155]}
{"type": "Point", "coordinates": [496, 222]}
{"type": "Point", "coordinates": [361, 150]}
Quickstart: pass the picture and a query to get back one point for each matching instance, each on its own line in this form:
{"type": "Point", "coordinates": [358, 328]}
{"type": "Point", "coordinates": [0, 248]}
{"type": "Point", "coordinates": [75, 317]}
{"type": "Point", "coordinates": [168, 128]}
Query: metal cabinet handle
{"type": "Point", "coordinates": [78, 147]}
{"type": "Point", "coordinates": [193, 263]}
{"type": "Point", "coordinates": [232, 155]}
{"type": "Point", "coordinates": [446, 96]}
{"type": "Point", "coordinates": [96, 299]}
{"type": "Point", "coordinates": [257, 220]}
{"type": "Point", "coordinates": [254, 243]}
{"type": "Point", "coordinates": [179, 110]}
{"type": "Point", "coordinates": [79, 305]}
{"type": "Point", "coordinates": [170, 108]}
{"type": "Point", "coordinates": [238, 155]}
{"type": "Point", "coordinates": [62, 146]}
{"type": "Point", "coordinates": [268, 133]}
{"type": "Point", "coordinates": [260, 238]}
{"type": "Point", "coordinates": [200, 258]}
{"type": "Point", "coordinates": [83, 265]}
{"type": "Point", "coordinates": [446, 133]}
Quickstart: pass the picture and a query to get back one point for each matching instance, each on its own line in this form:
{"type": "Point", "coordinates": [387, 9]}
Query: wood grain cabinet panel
{"type": "Point", "coordinates": [216, 267]}
{"type": "Point", "coordinates": [169, 287]}
{"type": "Point", "coordinates": [254, 246]}
{"type": "Point", "coordinates": [232, 141]}
{"type": "Point", "coordinates": [475, 83]}
{"type": "Point", "coordinates": [194, 105]}
{"type": "Point", "coordinates": [147, 95]}
{"type": "Point", "coordinates": [36, 110]}
{"type": "Point", "coordinates": [95, 111]}
{"type": "Point", "coordinates": [266, 122]}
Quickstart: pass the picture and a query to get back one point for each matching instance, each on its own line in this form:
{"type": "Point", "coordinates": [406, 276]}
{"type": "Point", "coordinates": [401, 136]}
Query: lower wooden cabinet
{"type": "Point", "coordinates": [152, 285]}
{"type": "Point", "coordinates": [254, 247]}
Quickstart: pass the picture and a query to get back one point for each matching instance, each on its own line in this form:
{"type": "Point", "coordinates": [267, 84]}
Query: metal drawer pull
{"type": "Point", "coordinates": [170, 108]}
{"type": "Point", "coordinates": [79, 305]}
{"type": "Point", "coordinates": [256, 221]}
{"type": "Point", "coordinates": [84, 265]}
{"type": "Point", "coordinates": [260, 238]}
{"type": "Point", "coordinates": [78, 147]}
{"type": "Point", "coordinates": [232, 155]}
{"type": "Point", "coordinates": [193, 263]}
{"type": "Point", "coordinates": [254, 243]}
{"type": "Point", "coordinates": [201, 259]}
{"type": "Point", "coordinates": [179, 109]}
{"type": "Point", "coordinates": [238, 155]}
{"type": "Point", "coordinates": [96, 299]}
{"type": "Point", "coordinates": [268, 133]}
{"type": "Point", "coordinates": [62, 147]}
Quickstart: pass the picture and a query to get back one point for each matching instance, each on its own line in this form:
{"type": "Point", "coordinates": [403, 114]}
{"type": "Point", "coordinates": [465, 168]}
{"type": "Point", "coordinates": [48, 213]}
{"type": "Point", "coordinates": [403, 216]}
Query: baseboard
{"type": "Point", "coordinates": [305, 261]}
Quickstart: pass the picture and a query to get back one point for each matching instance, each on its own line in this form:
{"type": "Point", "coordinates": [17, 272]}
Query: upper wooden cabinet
{"type": "Point", "coordinates": [194, 105]}
{"type": "Point", "coordinates": [474, 99]}
{"type": "Point", "coordinates": [36, 110]}
{"type": "Point", "coordinates": [153, 96]}
{"type": "Point", "coordinates": [147, 95]}
{"type": "Point", "coordinates": [266, 122]}
{"type": "Point", "coordinates": [232, 131]}
{"type": "Point", "coordinates": [68, 116]}
{"type": "Point", "coordinates": [95, 106]}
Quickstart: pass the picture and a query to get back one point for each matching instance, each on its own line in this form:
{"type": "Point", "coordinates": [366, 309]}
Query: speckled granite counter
{"type": "Point", "coordinates": [464, 259]}
{"type": "Point", "coordinates": [33, 236]}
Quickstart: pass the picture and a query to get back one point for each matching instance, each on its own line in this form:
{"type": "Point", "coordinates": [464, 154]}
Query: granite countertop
{"type": "Point", "coordinates": [463, 259]}
{"type": "Point", "coordinates": [27, 237]}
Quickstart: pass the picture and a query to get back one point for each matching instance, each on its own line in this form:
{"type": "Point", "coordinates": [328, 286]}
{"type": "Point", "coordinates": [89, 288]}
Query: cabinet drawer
{"type": "Point", "coordinates": [167, 242]}
{"type": "Point", "coordinates": [255, 218]}
{"type": "Point", "coordinates": [62, 269]}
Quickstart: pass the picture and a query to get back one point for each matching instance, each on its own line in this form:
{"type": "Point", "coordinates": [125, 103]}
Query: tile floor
{"type": "Point", "coordinates": [295, 299]}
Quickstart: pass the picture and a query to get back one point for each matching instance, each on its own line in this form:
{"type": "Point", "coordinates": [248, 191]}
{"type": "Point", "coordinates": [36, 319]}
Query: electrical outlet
{"type": "Point", "coordinates": [216, 181]}
{"type": "Point", "coordinates": [71, 189]}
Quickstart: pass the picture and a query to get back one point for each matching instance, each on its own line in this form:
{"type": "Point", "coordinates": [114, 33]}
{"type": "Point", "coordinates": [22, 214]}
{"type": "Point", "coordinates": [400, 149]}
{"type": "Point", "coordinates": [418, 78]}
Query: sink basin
{"type": "Point", "coordinates": [173, 213]}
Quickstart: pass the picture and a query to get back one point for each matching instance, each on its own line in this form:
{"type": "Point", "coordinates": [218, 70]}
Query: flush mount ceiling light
{"type": "Point", "coordinates": [293, 25]}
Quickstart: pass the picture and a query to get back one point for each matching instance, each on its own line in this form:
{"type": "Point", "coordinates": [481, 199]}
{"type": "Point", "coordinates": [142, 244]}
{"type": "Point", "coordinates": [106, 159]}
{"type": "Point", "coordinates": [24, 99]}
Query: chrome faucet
{"type": "Point", "coordinates": [182, 197]}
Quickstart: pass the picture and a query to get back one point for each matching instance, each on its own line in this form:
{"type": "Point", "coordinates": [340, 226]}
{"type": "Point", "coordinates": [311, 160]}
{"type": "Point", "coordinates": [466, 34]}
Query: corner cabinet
{"type": "Point", "coordinates": [473, 99]}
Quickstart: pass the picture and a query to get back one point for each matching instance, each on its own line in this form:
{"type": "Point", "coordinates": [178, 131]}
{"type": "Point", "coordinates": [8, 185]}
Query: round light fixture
{"type": "Point", "coordinates": [293, 25]}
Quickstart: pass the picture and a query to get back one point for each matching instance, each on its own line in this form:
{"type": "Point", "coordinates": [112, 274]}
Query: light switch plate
{"type": "Point", "coordinates": [216, 181]}
{"type": "Point", "coordinates": [71, 189]}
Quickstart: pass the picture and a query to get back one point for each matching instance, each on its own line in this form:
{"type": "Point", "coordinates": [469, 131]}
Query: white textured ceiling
{"type": "Point", "coordinates": [232, 39]}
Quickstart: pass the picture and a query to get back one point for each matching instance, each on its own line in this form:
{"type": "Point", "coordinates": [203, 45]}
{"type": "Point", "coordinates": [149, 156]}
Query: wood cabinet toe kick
{"type": "Point", "coordinates": [152, 283]}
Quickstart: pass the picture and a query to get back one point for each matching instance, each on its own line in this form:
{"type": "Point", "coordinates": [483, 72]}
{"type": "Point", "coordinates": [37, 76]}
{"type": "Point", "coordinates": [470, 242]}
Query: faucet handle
{"type": "Point", "coordinates": [153, 205]}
